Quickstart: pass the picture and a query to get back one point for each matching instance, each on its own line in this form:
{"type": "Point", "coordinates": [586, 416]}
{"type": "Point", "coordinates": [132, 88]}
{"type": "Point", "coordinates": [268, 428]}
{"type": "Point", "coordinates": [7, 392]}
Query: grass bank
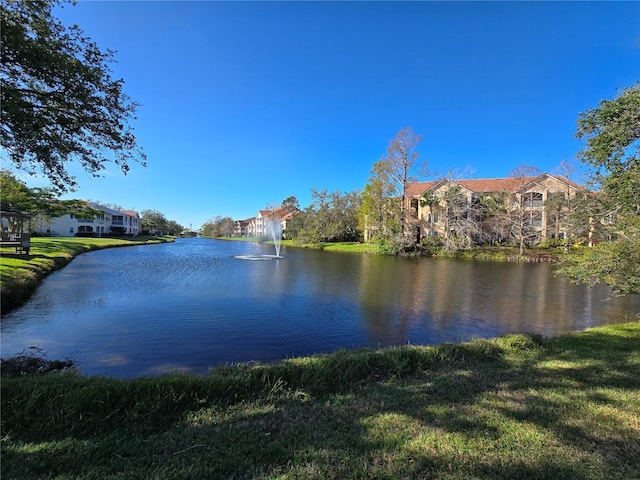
{"type": "Point", "coordinates": [517, 407]}
{"type": "Point", "coordinates": [20, 274]}
{"type": "Point", "coordinates": [336, 246]}
{"type": "Point", "coordinates": [328, 246]}
{"type": "Point", "coordinates": [506, 254]}
{"type": "Point", "coordinates": [491, 253]}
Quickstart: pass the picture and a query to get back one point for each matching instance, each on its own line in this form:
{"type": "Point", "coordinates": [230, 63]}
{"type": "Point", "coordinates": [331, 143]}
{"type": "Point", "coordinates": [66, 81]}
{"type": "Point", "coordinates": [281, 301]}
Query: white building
{"type": "Point", "coordinates": [109, 222]}
{"type": "Point", "coordinates": [259, 225]}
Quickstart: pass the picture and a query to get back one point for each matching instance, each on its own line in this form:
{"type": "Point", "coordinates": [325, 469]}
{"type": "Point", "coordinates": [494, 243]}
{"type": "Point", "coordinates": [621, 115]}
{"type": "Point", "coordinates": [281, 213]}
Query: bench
{"type": "Point", "coordinates": [21, 244]}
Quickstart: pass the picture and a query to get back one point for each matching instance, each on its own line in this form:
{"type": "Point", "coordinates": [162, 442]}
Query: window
{"type": "Point", "coordinates": [414, 207]}
{"type": "Point", "coordinates": [534, 219]}
{"type": "Point", "coordinates": [71, 230]}
{"type": "Point", "coordinates": [531, 200]}
{"type": "Point", "coordinates": [435, 218]}
{"type": "Point", "coordinates": [117, 220]}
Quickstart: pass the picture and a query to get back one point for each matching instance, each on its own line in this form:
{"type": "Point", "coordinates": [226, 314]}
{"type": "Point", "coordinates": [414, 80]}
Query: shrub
{"type": "Point", "coordinates": [551, 243]}
{"type": "Point", "coordinates": [390, 246]}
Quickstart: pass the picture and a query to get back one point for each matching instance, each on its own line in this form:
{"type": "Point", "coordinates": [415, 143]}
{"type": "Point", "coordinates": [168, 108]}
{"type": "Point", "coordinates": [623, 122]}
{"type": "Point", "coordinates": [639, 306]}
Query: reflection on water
{"type": "Point", "coordinates": [191, 305]}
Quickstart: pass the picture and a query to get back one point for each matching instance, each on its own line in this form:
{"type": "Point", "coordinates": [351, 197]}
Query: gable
{"type": "Point", "coordinates": [550, 183]}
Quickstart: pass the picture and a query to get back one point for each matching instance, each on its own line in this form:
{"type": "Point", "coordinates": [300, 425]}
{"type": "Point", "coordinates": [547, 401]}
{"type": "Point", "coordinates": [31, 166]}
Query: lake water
{"type": "Point", "coordinates": [192, 305]}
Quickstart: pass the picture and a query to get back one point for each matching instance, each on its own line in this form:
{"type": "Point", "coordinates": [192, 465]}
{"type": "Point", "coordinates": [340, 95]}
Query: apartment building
{"type": "Point", "coordinates": [108, 222]}
{"type": "Point", "coordinates": [526, 199]}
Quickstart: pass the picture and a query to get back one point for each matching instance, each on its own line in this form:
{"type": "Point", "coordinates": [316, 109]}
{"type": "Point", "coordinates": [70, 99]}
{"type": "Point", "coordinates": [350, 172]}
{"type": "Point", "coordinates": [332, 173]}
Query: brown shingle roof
{"type": "Point", "coordinates": [419, 187]}
{"type": "Point", "coordinates": [279, 212]}
{"type": "Point", "coordinates": [484, 185]}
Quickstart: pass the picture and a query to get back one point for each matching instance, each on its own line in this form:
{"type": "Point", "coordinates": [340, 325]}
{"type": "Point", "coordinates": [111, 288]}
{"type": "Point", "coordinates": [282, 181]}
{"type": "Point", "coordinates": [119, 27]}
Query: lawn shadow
{"type": "Point", "coordinates": [446, 416]}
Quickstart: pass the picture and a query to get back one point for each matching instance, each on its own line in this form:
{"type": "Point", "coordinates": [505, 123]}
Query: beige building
{"type": "Point", "coordinates": [258, 226]}
{"type": "Point", "coordinates": [528, 204]}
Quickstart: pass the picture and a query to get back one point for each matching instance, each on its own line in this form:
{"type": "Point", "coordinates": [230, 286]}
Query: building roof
{"type": "Point", "coordinates": [418, 188]}
{"type": "Point", "coordinates": [279, 212]}
{"type": "Point", "coordinates": [495, 184]}
{"type": "Point", "coordinates": [486, 185]}
{"type": "Point", "coordinates": [110, 210]}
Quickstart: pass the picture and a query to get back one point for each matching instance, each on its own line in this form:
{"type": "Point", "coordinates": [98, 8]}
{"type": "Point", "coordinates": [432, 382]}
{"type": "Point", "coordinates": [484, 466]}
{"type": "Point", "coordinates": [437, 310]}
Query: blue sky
{"type": "Point", "coordinates": [247, 103]}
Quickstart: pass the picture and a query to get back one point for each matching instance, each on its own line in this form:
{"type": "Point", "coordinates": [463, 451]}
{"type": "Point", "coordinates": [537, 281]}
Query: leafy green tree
{"type": "Point", "coordinates": [386, 214]}
{"type": "Point", "coordinates": [174, 228]}
{"type": "Point", "coordinates": [152, 221]}
{"type": "Point", "coordinates": [218, 227]}
{"type": "Point", "coordinates": [611, 133]}
{"type": "Point", "coordinates": [321, 202]}
{"type": "Point", "coordinates": [291, 202]}
{"type": "Point", "coordinates": [343, 217]}
{"type": "Point", "coordinates": [40, 203]}
{"type": "Point", "coordinates": [331, 217]}
{"type": "Point", "coordinates": [296, 226]}
{"type": "Point", "coordinates": [59, 100]}
{"type": "Point", "coordinates": [380, 211]}
{"type": "Point", "coordinates": [208, 228]}
{"type": "Point", "coordinates": [316, 218]}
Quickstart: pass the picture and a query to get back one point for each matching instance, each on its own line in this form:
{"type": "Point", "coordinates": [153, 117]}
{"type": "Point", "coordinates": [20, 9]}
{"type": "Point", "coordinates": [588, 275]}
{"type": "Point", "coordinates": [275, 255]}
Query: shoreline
{"type": "Point", "coordinates": [483, 253]}
{"type": "Point", "coordinates": [21, 274]}
{"type": "Point", "coordinates": [517, 406]}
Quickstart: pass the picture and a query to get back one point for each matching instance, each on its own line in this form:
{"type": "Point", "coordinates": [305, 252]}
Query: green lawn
{"type": "Point", "coordinates": [337, 246]}
{"type": "Point", "coordinates": [492, 253]}
{"type": "Point", "coordinates": [516, 407]}
{"type": "Point", "coordinates": [328, 246]}
{"type": "Point", "coordinates": [20, 274]}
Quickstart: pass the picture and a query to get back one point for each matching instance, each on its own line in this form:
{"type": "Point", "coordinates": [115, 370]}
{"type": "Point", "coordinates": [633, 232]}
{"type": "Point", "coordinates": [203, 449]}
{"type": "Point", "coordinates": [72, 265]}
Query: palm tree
{"type": "Point", "coordinates": [431, 200]}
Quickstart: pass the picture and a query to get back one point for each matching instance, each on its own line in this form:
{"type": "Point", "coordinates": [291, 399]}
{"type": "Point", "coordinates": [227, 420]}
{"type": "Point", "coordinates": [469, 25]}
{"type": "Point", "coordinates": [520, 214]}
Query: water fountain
{"type": "Point", "coordinates": [274, 228]}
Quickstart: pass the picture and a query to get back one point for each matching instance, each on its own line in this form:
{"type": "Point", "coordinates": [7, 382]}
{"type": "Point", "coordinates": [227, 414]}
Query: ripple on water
{"type": "Point", "coordinates": [258, 257]}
